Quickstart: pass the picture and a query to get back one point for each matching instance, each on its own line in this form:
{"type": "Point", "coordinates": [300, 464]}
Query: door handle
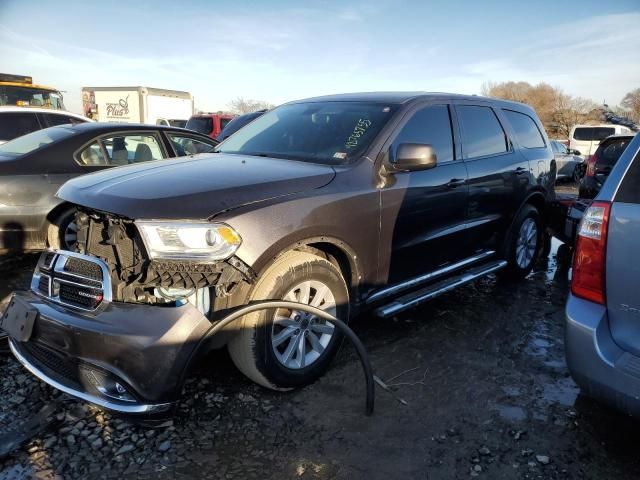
{"type": "Point", "coordinates": [456, 182]}
{"type": "Point", "coordinates": [521, 170]}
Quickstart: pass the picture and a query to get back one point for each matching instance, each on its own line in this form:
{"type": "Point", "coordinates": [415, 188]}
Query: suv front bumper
{"type": "Point", "coordinates": [598, 365]}
{"type": "Point", "coordinates": [142, 348]}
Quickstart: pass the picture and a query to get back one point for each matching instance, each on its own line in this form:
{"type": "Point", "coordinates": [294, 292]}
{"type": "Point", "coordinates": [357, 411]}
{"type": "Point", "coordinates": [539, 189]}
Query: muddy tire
{"type": "Point", "coordinates": [524, 243]}
{"type": "Point", "coordinates": [285, 349]}
{"type": "Point", "coordinates": [61, 233]}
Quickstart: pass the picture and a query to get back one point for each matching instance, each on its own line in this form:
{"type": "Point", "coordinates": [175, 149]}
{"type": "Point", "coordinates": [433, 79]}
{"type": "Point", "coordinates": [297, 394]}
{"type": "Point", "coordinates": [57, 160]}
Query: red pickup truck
{"type": "Point", "coordinates": [209, 123]}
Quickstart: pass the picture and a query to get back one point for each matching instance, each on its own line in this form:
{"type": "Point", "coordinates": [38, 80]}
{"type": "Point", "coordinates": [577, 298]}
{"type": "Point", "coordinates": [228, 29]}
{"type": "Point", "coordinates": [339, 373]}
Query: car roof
{"type": "Point", "coordinates": [403, 98]}
{"type": "Point", "coordinates": [107, 127]}
{"type": "Point", "coordinates": [13, 109]}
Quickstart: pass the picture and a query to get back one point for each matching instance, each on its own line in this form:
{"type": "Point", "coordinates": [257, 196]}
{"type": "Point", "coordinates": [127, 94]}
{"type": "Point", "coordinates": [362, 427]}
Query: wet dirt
{"type": "Point", "coordinates": [479, 388]}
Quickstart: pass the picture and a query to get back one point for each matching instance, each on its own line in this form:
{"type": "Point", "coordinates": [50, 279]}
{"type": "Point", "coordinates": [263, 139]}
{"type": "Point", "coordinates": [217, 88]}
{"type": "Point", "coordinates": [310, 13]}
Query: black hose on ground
{"type": "Point", "coordinates": [353, 338]}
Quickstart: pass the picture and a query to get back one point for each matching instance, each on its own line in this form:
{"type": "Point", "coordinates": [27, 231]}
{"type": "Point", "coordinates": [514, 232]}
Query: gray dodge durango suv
{"type": "Point", "coordinates": [376, 201]}
{"type": "Point", "coordinates": [603, 310]}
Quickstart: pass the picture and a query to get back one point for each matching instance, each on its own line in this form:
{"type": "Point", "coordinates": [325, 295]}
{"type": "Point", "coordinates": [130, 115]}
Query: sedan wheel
{"type": "Point", "coordinates": [527, 243]}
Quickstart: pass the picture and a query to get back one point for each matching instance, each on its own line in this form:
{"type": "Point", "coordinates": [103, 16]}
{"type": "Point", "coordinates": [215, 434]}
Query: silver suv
{"type": "Point", "coordinates": [603, 310]}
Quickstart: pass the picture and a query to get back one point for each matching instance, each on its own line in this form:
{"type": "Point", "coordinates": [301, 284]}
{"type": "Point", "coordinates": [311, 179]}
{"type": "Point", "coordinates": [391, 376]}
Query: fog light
{"type": "Point", "coordinates": [106, 385]}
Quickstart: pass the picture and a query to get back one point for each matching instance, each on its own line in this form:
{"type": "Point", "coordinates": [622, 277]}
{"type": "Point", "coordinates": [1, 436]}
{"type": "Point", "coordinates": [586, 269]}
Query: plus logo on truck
{"type": "Point", "coordinates": [119, 109]}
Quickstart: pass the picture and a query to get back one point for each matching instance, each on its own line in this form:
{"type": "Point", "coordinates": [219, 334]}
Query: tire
{"type": "Point", "coordinates": [60, 230]}
{"type": "Point", "coordinates": [546, 245]}
{"type": "Point", "coordinates": [253, 348]}
{"type": "Point", "coordinates": [521, 262]}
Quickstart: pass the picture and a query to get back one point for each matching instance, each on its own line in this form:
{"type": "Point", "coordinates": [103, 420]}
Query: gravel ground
{"type": "Point", "coordinates": [479, 388]}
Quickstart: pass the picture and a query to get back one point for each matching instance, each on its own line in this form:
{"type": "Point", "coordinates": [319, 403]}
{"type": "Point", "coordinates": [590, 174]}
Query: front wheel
{"type": "Point", "coordinates": [285, 349]}
{"type": "Point", "coordinates": [62, 233]}
{"type": "Point", "coordinates": [524, 243]}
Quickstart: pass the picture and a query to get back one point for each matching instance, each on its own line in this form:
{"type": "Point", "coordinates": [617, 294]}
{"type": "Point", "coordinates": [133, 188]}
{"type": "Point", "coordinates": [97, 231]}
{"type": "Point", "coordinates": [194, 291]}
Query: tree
{"type": "Point", "coordinates": [631, 101]}
{"type": "Point", "coordinates": [241, 105]}
{"type": "Point", "coordinates": [557, 111]}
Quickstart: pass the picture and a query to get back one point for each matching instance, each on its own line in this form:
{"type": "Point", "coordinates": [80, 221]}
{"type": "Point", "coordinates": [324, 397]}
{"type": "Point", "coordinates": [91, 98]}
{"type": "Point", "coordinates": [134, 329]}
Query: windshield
{"type": "Point", "coordinates": [30, 97]}
{"type": "Point", "coordinates": [321, 132]}
{"type": "Point", "coordinates": [35, 140]}
{"type": "Point", "coordinates": [200, 124]}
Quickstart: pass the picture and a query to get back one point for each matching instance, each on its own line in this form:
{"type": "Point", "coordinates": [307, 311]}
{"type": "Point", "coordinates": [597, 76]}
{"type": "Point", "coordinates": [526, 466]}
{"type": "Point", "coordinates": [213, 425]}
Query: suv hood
{"type": "Point", "coordinates": [192, 188]}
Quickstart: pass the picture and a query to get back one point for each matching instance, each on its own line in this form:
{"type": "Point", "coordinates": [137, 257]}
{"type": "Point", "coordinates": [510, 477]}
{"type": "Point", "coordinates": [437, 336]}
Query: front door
{"type": "Point", "coordinates": [423, 212]}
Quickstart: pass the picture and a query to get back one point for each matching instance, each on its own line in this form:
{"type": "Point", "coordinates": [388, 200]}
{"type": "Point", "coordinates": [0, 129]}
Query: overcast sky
{"type": "Point", "coordinates": [284, 50]}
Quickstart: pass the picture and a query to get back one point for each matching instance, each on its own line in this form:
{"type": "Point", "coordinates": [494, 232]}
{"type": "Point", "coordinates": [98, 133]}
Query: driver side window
{"type": "Point", "coordinates": [430, 125]}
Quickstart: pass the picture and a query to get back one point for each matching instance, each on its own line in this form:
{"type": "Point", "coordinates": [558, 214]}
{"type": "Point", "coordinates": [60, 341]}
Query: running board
{"type": "Point", "coordinates": [414, 299]}
{"type": "Point", "coordinates": [394, 290]}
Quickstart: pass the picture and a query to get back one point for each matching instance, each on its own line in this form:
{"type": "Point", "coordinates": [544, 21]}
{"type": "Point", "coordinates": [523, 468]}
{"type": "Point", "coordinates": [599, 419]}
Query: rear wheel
{"type": "Point", "coordinates": [288, 348]}
{"type": "Point", "coordinates": [524, 243]}
{"type": "Point", "coordinates": [62, 233]}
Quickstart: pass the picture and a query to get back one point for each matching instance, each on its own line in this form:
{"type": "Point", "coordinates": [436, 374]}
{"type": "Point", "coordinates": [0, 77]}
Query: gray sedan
{"type": "Point", "coordinates": [34, 166]}
{"type": "Point", "coordinates": [569, 164]}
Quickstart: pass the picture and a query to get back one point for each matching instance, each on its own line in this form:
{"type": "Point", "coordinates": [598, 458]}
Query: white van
{"type": "Point", "coordinates": [586, 138]}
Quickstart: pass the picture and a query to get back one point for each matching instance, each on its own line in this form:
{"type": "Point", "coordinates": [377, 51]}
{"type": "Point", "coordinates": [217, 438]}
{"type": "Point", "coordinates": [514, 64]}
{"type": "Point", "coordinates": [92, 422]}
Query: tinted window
{"type": "Point", "coordinates": [562, 149]}
{"type": "Point", "coordinates": [431, 125]}
{"type": "Point", "coordinates": [200, 124]}
{"type": "Point", "coordinates": [185, 145]}
{"type": "Point", "coordinates": [134, 148]}
{"type": "Point", "coordinates": [610, 151]}
{"type": "Point", "coordinates": [322, 132]}
{"type": "Point", "coordinates": [13, 125]}
{"type": "Point", "coordinates": [53, 119]}
{"type": "Point", "coordinates": [224, 122]}
{"type": "Point", "coordinates": [482, 133]}
{"type": "Point", "coordinates": [525, 129]}
{"type": "Point", "coordinates": [629, 191]}
{"type": "Point", "coordinates": [35, 140]}
{"type": "Point", "coordinates": [588, 134]}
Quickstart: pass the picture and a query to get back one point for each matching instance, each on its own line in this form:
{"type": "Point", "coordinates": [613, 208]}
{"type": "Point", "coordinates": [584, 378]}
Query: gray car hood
{"type": "Point", "coordinates": [192, 188]}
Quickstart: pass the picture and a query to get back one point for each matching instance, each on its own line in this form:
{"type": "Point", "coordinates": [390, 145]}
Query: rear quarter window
{"type": "Point", "coordinates": [629, 191]}
{"type": "Point", "coordinates": [526, 130]}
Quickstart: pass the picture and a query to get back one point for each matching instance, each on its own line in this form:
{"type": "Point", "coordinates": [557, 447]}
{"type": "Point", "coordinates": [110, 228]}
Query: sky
{"type": "Point", "coordinates": [284, 50]}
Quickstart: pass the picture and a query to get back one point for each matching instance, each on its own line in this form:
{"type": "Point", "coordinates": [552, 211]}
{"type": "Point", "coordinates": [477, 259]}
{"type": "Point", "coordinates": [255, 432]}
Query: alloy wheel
{"type": "Point", "coordinates": [298, 338]}
{"type": "Point", "coordinates": [527, 243]}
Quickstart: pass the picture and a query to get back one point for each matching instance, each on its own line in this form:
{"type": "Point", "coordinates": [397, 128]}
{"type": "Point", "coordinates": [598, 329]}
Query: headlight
{"type": "Point", "coordinates": [189, 240]}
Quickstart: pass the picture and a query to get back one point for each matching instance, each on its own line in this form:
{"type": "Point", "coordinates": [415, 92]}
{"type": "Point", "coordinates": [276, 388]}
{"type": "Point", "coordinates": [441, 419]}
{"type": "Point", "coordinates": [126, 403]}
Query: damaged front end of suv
{"type": "Point", "coordinates": [122, 317]}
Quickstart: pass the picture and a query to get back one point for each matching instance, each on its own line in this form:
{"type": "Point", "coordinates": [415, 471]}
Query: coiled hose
{"type": "Point", "coordinates": [353, 338]}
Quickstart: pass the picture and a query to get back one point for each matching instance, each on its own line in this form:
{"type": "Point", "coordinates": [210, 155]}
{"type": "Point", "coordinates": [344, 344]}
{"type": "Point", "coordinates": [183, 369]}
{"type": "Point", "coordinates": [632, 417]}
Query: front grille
{"type": "Point", "coordinates": [56, 363]}
{"type": "Point", "coordinates": [83, 267]}
{"type": "Point", "coordinates": [88, 298]}
{"type": "Point", "coordinates": [72, 279]}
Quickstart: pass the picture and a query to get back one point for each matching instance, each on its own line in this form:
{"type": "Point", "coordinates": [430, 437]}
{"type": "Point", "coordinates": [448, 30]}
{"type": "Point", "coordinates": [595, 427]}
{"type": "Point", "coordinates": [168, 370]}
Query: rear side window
{"type": "Point", "coordinates": [526, 130]}
{"type": "Point", "coordinates": [629, 191]}
{"type": "Point", "coordinates": [13, 125]}
{"type": "Point", "coordinates": [482, 134]}
{"type": "Point", "coordinates": [587, 134]}
{"type": "Point", "coordinates": [54, 119]}
{"type": "Point", "coordinates": [431, 125]}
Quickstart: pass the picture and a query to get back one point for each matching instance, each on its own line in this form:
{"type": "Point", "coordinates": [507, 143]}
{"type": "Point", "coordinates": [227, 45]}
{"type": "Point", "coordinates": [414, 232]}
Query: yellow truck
{"type": "Point", "coordinates": [19, 90]}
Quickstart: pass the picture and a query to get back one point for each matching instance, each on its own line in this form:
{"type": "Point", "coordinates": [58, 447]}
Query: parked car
{"type": "Point", "coordinates": [569, 164]}
{"type": "Point", "coordinates": [586, 138]}
{"type": "Point", "coordinates": [376, 201]}
{"type": "Point", "coordinates": [17, 121]}
{"type": "Point", "coordinates": [237, 123]}
{"type": "Point", "coordinates": [600, 164]}
{"type": "Point", "coordinates": [210, 124]}
{"type": "Point", "coordinates": [173, 122]}
{"type": "Point", "coordinates": [603, 311]}
{"type": "Point", "coordinates": [33, 167]}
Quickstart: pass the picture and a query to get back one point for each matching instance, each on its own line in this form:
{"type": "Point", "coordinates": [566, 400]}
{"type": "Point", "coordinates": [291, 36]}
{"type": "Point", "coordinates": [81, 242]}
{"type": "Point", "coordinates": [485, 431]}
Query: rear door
{"type": "Point", "coordinates": [498, 173]}
{"type": "Point", "coordinates": [623, 261]}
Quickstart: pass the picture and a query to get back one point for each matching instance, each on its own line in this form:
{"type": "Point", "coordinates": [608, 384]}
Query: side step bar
{"type": "Point", "coordinates": [414, 299]}
{"type": "Point", "coordinates": [394, 290]}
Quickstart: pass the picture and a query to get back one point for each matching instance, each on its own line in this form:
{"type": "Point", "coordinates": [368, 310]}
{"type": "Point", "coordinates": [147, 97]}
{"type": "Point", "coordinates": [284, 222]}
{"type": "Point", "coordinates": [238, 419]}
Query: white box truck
{"type": "Point", "coordinates": [152, 106]}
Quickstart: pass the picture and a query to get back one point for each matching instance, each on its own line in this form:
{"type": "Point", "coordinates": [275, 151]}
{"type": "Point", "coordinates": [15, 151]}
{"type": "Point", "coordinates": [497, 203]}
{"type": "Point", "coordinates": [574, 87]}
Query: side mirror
{"type": "Point", "coordinates": [573, 151]}
{"type": "Point", "coordinates": [415, 156]}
